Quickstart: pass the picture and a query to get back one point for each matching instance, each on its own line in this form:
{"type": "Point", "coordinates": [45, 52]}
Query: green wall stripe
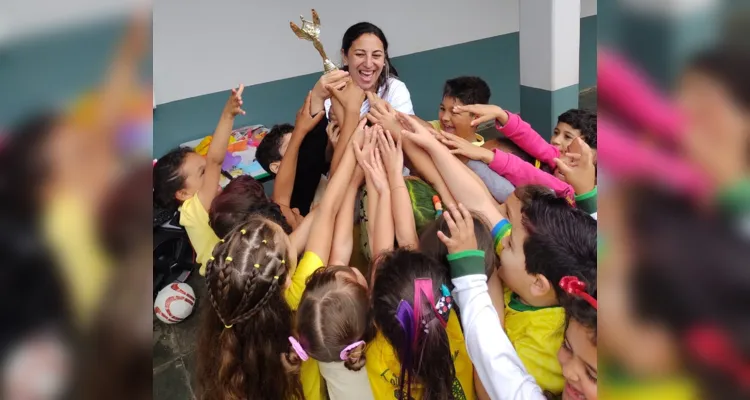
{"type": "Point", "coordinates": [494, 59]}
{"type": "Point", "coordinates": [542, 107]}
{"type": "Point", "coordinates": [587, 55]}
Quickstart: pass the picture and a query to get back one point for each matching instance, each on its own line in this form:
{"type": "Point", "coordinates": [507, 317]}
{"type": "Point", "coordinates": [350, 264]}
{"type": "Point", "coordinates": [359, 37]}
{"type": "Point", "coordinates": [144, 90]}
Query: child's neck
{"type": "Point", "coordinates": [539, 302]}
{"type": "Point", "coordinates": [469, 135]}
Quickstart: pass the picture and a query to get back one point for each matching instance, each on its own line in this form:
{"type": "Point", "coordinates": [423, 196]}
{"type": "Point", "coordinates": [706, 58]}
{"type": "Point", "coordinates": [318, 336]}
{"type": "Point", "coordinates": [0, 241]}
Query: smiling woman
{"type": "Point", "coordinates": [364, 53]}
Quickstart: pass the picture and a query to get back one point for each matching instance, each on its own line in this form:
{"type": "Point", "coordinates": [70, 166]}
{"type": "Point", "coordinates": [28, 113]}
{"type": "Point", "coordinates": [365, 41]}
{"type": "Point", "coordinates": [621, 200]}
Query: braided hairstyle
{"type": "Point", "coordinates": [244, 352]}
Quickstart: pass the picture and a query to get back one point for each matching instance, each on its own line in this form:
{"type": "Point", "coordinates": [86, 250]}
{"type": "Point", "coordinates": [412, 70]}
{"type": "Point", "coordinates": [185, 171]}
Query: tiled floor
{"type": "Point", "coordinates": [174, 345]}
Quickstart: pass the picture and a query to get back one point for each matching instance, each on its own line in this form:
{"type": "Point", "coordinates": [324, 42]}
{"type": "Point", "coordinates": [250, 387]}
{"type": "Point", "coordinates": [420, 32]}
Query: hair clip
{"type": "Point", "coordinates": [444, 304]}
{"type": "Point", "coordinates": [264, 241]}
{"type": "Point", "coordinates": [298, 349]}
{"type": "Point", "coordinates": [276, 277]}
{"type": "Point", "coordinates": [228, 326]}
{"type": "Point", "coordinates": [256, 265]}
{"type": "Point", "coordinates": [229, 259]}
{"type": "Point", "coordinates": [242, 231]}
{"type": "Point", "coordinates": [345, 353]}
{"type": "Point", "coordinates": [574, 286]}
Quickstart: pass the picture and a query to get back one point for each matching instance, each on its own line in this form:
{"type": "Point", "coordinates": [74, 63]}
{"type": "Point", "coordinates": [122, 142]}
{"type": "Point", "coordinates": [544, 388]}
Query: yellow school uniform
{"type": "Point", "coordinates": [537, 334]}
{"type": "Point", "coordinates": [384, 368]}
{"type": "Point", "coordinates": [478, 141]}
{"type": "Point", "coordinates": [194, 217]}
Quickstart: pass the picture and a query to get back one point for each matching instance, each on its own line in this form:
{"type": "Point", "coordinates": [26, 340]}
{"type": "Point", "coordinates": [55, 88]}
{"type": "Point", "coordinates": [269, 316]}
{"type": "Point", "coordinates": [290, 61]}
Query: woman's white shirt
{"type": "Point", "coordinates": [397, 95]}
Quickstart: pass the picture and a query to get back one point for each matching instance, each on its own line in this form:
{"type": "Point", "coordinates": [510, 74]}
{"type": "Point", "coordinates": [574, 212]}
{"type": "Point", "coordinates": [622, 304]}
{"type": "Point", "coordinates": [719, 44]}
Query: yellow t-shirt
{"type": "Point", "coordinates": [537, 334]}
{"type": "Point", "coordinates": [194, 217]}
{"type": "Point", "coordinates": [310, 373]}
{"type": "Point", "coordinates": [384, 368]}
{"type": "Point", "coordinates": [478, 141]}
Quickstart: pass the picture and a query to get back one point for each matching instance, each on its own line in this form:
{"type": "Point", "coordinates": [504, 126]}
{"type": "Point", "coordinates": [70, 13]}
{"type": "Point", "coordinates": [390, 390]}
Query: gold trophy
{"type": "Point", "coordinates": [311, 31]}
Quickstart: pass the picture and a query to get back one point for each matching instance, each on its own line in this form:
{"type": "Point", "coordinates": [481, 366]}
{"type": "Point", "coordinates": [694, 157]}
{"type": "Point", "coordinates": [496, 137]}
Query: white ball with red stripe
{"type": "Point", "coordinates": [174, 303]}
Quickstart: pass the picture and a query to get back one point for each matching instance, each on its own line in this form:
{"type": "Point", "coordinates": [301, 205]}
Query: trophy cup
{"type": "Point", "coordinates": [311, 31]}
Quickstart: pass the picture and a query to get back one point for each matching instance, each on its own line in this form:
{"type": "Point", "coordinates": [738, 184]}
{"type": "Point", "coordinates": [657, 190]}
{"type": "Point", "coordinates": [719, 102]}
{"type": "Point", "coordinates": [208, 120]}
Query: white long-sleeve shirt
{"type": "Point", "coordinates": [499, 368]}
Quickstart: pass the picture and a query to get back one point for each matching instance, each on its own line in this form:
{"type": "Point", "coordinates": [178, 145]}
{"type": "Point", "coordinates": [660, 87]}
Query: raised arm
{"type": "Point", "coordinates": [284, 183]}
{"type": "Point", "coordinates": [343, 239]}
{"type": "Point", "coordinates": [403, 216]}
{"type": "Point", "coordinates": [353, 96]}
{"type": "Point", "coordinates": [457, 176]}
{"type": "Point", "coordinates": [218, 148]}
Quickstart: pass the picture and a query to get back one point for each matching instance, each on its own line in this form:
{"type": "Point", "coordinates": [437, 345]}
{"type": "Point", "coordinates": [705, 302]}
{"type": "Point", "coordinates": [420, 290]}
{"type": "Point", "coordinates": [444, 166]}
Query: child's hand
{"type": "Point", "coordinates": [333, 131]}
{"type": "Point", "coordinates": [351, 97]}
{"type": "Point", "coordinates": [305, 122]}
{"type": "Point", "coordinates": [393, 155]}
{"type": "Point", "coordinates": [415, 131]}
{"type": "Point", "coordinates": [461, 226]}
{"type": "Point", "coordinates": [484, 113]}
{"type": "Point", "coordinates": [233, 107]}
{"type": "Point", "coordinates": [579, 170]}
{"type": "Point", "coordinates": [463, 147]}
{"type": "Point", "coordinates": [337, 79]}
{"type": "Point", "coordinates": [383, 114]}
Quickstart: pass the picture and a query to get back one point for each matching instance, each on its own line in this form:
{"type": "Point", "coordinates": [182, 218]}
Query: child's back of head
{"type": "Point", "coordinates": [430, 245]}
{"type": "Point", "coordinates": [241, 198]}
{"type": "Point", "coordinates": [272, 148]}
{"type": "Point", "coordinates": [550, 239]}
{"type": "Point", "coordinates": [243, 350]}
{"type": "Point", "coordinates": [333, 316]}
{"type": "Point", "coordinates": [407, 285]}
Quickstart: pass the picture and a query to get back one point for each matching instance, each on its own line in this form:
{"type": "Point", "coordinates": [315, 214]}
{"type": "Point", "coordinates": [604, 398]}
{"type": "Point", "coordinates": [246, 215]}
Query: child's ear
{"type": "Point", "coordinates": [541, 286]}
{"type": "Point", "coordinates": [274, 166]}
{"type": "Point", "coordinates": [182, 195]}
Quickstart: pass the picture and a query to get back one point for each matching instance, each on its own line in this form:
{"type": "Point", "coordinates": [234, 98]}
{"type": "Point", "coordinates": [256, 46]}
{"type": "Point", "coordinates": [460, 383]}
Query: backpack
{"type": "Point", "coordinates": [174, 258]}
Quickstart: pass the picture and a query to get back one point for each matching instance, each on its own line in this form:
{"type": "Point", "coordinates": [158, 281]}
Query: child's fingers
{"type": "Point", "coordinates": [468, 220]}
{"type": "Point", "coordinates": [241, 89]}
{"type": "Point", "coordinates": [451, 223]}
{"type": "Point", "coordinates": [389, 139]}
{"type": "Point", "coordinates": [482, 119]}
{"type": "Point", "coordinates": [564, 168]}
{"type": "Point", "coordinates": [457, 217]}
{"type": "Point", "coordinates": [445, 239]}
{"type": "Point", "coordinates": [573, 156]}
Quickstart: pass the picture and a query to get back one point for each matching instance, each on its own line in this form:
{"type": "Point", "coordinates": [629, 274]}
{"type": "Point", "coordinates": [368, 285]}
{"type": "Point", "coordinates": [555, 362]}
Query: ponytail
{"type": "Point", "coordinates": [355, 359]}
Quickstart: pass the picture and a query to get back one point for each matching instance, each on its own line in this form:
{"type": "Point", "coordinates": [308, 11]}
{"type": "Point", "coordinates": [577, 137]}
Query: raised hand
{"type": "Point", "coordinates": [305, 122]}
{"type": "Point", "coordinates": [577, 167]}
{"type": "Point", "coordinates": [483, 113]}
{"type": "Point", "coordinates": [383, 114]}
{"type": "Point", "coordinates": [337, 79]}
{"type": "Point", "coordinates": [333, 130]}
{"type": "Point", "coordinates": [351, 97]}
{"type": "Point", "coordinates": [233, 107]}
{"type": "Point", "coordinates": [416, 132]}
{"type": "Point", "coordinates": [461, 226]}
{"type": "Point", "coordinates": [392, 154]}
{"type": "Point", "coordinates": [462, 147]}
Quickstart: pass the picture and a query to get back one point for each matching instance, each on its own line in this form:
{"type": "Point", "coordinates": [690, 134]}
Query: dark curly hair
{"type": "Point", "coordinates": [468, 90]}
{"type": "Point", "coordinates": [268, 149]}
{"type": "Point", "coordinates": [167, 178]}
{"type": "Point", "coordinates": [584, 121]}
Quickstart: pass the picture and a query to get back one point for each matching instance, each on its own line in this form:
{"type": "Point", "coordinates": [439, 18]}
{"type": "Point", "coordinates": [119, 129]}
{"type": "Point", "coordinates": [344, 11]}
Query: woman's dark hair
{"type": "Point", "coordinates": [168, 179]}
{"type": "Point", "coordinates": [561, 239]}
{"type": "Point", "coordinates": [430, 245]}
{"type": "Point", "coordinates": [241, 198]}
{"type": "Point", "coordinates": [691, 273]}
{"type": "Point", "coordinates": [244, 352]}
{"type": "Point", "coordinates": [334, 312]}
{"type": "Point", "coordinates": [363, 28]}
{"type": "Point", "coordinates": [432, 364]}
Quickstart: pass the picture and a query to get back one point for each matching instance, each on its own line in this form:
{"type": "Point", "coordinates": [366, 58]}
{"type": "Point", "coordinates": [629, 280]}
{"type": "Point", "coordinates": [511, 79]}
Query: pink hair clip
{"type": "Point", "coordinates": [298, 349]}
{"type": "Point", "coordinates": [575, 287]}
{"type": "Point", "coordinates": [345, 353]}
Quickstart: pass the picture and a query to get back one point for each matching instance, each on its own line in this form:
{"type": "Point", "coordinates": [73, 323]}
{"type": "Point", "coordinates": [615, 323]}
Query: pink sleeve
{"type": "Point", "coordinates": [519, 173]}
{"type": "Point", "coordinates": [523, 135]}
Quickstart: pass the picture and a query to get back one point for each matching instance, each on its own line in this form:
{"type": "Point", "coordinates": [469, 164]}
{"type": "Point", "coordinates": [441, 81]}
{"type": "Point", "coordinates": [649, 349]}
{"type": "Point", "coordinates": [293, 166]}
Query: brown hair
{"type": "Point", "coordinates": [244, 352]}
{"type": "Point", "coordinates": [334, 313]}
{"type": "Point", "coordinates": [430, 245]}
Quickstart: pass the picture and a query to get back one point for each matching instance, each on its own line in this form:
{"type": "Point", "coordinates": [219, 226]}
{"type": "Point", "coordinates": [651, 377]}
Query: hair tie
{"type": "Point", "coordinates": [229, 259]}
{"type": "Point", "coordinates": [574, 286]}
{"type": "Point", "coordinates": [283, 261]}
{"type": "Point", "coordinates": [345, 353]}
{"type": "Point", "coordinates": [298, 349]}
{"type": "Point", "coordinates": [444, 304]}
{"type": "Point", "coordinates": [256, 265]}
{"type": "Point", "coordinates": [228, 326]}
{"type": "Point", "coordinates": [221, 240]}
{"type": "Point", "coordinates": [276, 277]}
{"type": "Point", "coordinates": [712, 346]}
{"type": "Point", "coordinates": [211, 258]}
{"type": "Point", "coordinates": [242, 231]}
{"type": "Point", "coordinates": [264, 241]}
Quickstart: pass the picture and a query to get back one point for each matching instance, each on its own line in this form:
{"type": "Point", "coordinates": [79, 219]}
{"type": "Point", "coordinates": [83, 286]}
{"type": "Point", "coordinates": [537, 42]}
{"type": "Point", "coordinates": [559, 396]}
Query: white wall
{"type": "Point", "coordinates": [203, 46]}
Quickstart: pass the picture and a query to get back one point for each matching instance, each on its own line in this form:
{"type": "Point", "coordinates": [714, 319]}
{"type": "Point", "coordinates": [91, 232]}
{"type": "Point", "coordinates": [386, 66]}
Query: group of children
{"type": "Point", "coordinates": [494, 298]}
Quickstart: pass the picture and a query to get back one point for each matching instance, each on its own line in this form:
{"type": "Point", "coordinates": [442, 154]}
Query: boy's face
{"type": "Point", "coordinates": [193, 168]}
{"type": "Point", "coordinates": [577, 357]}
{"type": "Point", "coordinates": [455, 123]}
{"type": "Point", "coordinates": [282, 150]}
{"type": "Point", "coordinates": [563, 136]}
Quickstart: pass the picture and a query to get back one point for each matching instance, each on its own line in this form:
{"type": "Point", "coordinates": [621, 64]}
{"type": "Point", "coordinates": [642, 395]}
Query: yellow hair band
{"type": "Point", "coordinates": [242, 231]}
{"type": "Point", "coordinates": [283, 261]}
{"type": "Point", "coordinates": [228, 326]}
{"type": "Point", "coordinates": [211, 258]}
{"type": "Point", "coordinates": [256, 265]}
{"type": "Point", "coordinates": [264, 241]}
{"type": "Point", "coordinates": [276, 277]}
{"type": "Point", "coordinates": [229, 259]}
{"type": "Point", "coordinates": [221, 240]}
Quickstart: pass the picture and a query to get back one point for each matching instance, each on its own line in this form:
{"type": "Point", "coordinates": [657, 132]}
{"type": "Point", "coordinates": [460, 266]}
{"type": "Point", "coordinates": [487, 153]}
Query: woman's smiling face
{"type": "Point", "coordinates": [365, 58]}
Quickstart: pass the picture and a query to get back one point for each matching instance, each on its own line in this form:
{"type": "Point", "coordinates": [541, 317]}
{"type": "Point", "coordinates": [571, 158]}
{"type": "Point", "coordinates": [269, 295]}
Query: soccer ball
{"type": "Point", "coordinates": [174, 303]}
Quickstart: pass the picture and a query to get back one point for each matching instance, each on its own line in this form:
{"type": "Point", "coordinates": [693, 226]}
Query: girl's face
{"type": "Point", "coordinates": [193, 168]}
{"type": "Point", "coordinates": [577, 357]}
{"type": "Point", "coordinates": [365, 58]}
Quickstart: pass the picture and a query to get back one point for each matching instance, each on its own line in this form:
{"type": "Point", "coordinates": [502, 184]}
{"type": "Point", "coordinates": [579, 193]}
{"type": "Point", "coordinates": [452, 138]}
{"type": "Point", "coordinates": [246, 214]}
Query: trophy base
{"type": "Point", "coordinates": [329, 66]}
